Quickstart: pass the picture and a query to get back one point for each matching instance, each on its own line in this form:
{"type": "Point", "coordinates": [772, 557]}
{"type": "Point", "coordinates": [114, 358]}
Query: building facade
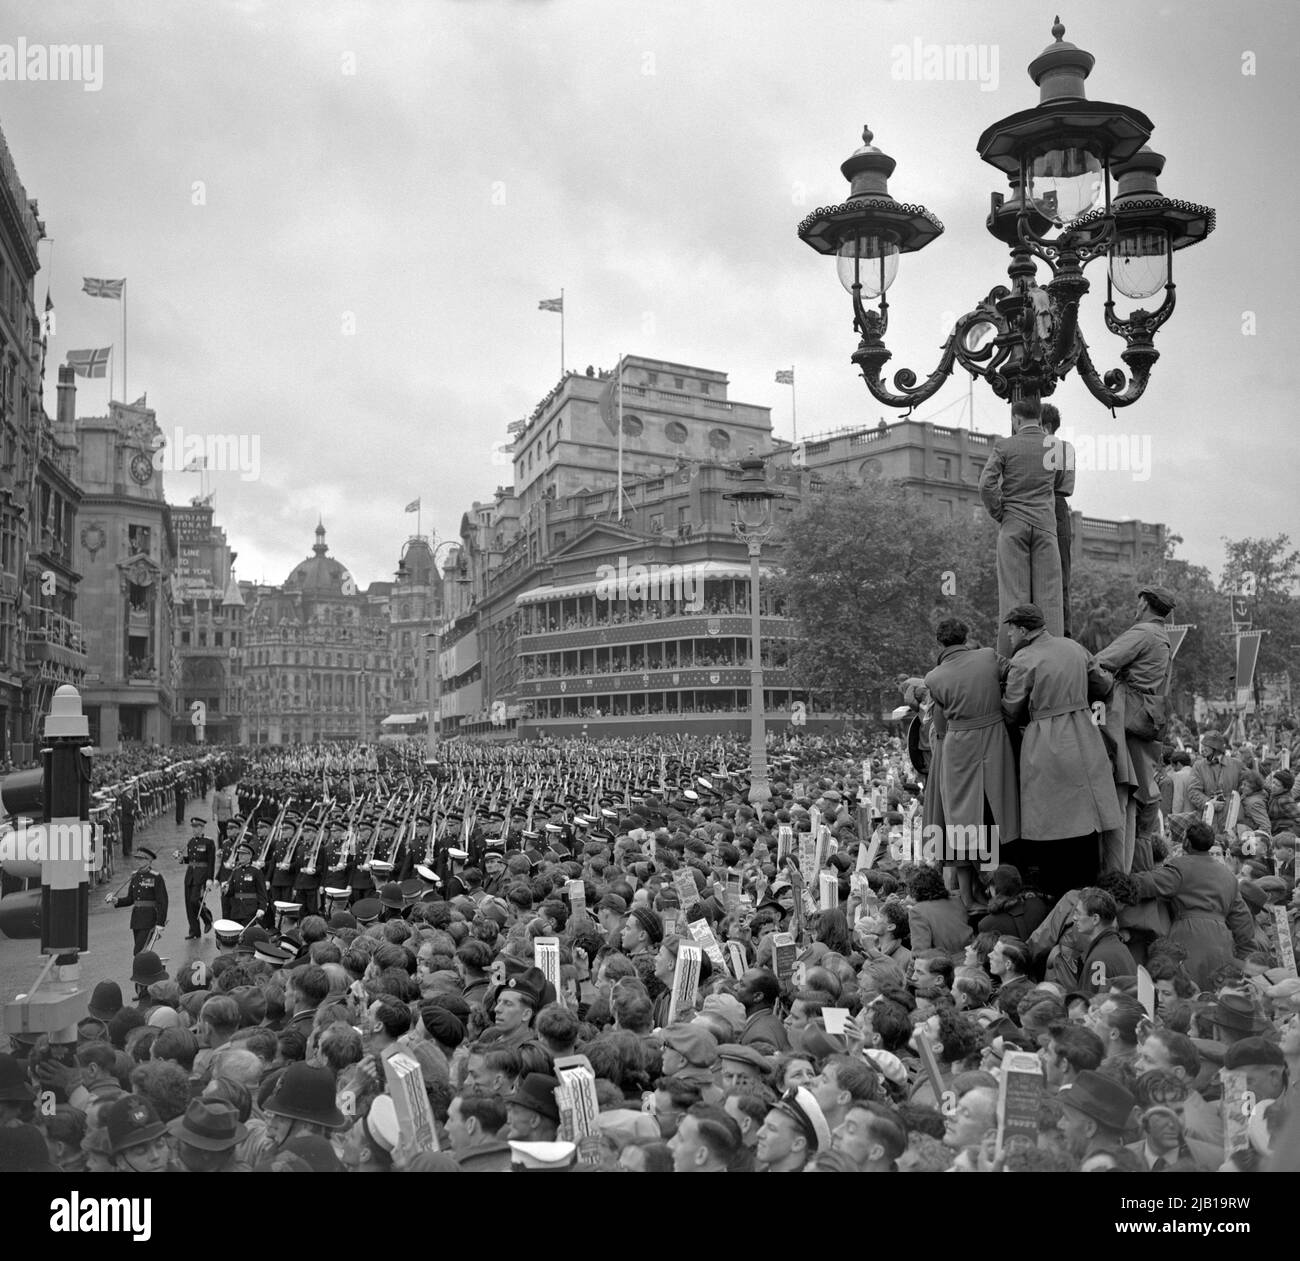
{"type": "Point", "coordinates": [583, 607]}
{"type": "Point", "coordinates": [126, 553]}
{"type": "Point", "coordinates": [943, 466]}
{"type": "Point", "coordinates": [415, 608]}
{"type": "Point", "coordinates": [317, 662]}
{"type": "Point", "coordinates": [209, 629]}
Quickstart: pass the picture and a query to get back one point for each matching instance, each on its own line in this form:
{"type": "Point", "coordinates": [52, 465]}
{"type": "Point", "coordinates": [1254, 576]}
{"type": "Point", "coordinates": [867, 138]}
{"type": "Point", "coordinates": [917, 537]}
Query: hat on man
{"type": "Point", "coordinates": [105, 1000]}
{"type": "Point", "coordinates": [728, 1008]}
{"type": "Point", "coordinates": [130, 1121]}
{"type": "Point", "coordinates": [141, 852]}
{"type": "Point", "coordinates": [650, 921]}
{"type": "Point", "coordinates": [1026, 616]}
{"type": "Point", "coordinates": [23, 1150]}
{"type": "Point", "coordinates": [146, 968]}
{"type": "Point", "coordinates": [801, 1106]}
{"type": "Point", "coordinates": [1213, 740]}
{"type": "Point", "coordinates": [305, 1092]}
{"type": "Point", "coordinates": [612, 902]}
{"type": "Point", "coordinates": [542, 1157]}
{"type": "Point", "coordinates": [1238, 1013]}
{"type": "Point", "coordinates": [443, 1026]}
{"type": "Point", "coordinates": [1285, 778]}
{"type": "Point", "coordinates": [212, 1125]}
{"type": "Point", "coordinates": [1249, 1052]}
{"type": "Point", "coordinates": [367, 910]}
{"type": "Point", "coordinates": [14, 1086]}
{"type": "Point", "coordinates": [391, 896]}
{"type": "Point", "coordinates": [1161, 599]}
{"type": "Point", "coordinates": [269, 952]}
{"type": "Point", "coordinates": [89, 1029]}
{"type": "Point", "coordinates": [492, 857]}
{"type": "Point", "coordinates": [536, 1092]}
{"type": "Point", "coordinates": [694, 1043]}
{"type": "Point", "coordinates": [889, 1065]}
{"type": "Point", "coordinates": [1102, 1099]}
{"type": "Point", "coordinates": [738, 1053]}
{"type": "Point", "coordinates": [531, 984]}
{"type": "Point", "coordinates": [381, 1123]}
{"type": "Point", "coordinates": [163, 1017]}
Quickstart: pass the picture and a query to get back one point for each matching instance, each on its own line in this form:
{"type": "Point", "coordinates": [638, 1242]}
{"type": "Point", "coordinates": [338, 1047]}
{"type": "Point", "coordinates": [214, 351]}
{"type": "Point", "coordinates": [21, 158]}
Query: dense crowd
{"type": "Point", "coordinates": [623, 964]}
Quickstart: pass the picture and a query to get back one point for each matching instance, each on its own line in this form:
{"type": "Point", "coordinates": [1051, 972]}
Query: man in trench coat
{"type": "Point", "coordinates": [977, 771]}
{"type": "Point", "coordinates": [1137, 665]}
{"type": "Point", "coordinates": [1067, 791]}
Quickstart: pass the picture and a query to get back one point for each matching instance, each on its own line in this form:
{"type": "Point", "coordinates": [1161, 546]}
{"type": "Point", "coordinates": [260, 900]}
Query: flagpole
{"type": "Point", "coordinates": [618, 385]}
{"type": "Point", "coordinates": [794, 415]}
{"type": "Point", "coordinates": [125, 389]}
{"type": "Point", "coordinates": [561, 334]}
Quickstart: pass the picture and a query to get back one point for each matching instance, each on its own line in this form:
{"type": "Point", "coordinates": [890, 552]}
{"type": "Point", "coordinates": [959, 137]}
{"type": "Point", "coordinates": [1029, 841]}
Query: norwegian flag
{"type": "Point", "coordinates": [102, 289]}
{"type": "Point", "coordinates": [90, 363]}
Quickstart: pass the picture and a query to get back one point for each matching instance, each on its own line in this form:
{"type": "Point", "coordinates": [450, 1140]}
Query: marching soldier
{"type": "Point", "coordinates": [146, 895]}
{"type": "Point", "coordinates": [282, 870]}
{"type": "Point", "coordinates": [359, 879]}
{"type": "Point", "coordinates": [244, 897]}
{"type": "Point", "coordinates": [306, 881]}
{"type": "Point", "coordinates": [339, 859]}
{"type": "Point", "coordinates": [180, 799]}
{"type": "Point", "coordinates": [200, 859]}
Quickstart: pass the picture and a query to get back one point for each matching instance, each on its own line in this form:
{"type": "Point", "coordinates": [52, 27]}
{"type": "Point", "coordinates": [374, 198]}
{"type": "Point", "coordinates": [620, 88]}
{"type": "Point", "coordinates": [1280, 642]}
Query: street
{"type": "Point", "coordinates": [109, 956]}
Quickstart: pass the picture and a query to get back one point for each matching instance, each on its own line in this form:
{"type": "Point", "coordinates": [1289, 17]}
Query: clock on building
{"type": "Point", "coordinates": [141, 468]}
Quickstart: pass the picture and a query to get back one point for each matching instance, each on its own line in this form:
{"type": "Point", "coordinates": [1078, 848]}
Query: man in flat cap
{"type": "Point", "coordinates": [1137, 667]}
{"type": "Point", "coordinates": [1067, 791]}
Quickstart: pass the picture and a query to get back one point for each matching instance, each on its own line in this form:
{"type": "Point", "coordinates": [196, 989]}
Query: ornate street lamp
{"type": "Point", "coordinates": [1058, 158]}
{"type": "Point", "coordinates": [754, 524]}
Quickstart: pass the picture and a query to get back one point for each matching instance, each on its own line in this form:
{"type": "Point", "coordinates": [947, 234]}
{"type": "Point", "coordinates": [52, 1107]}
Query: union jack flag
{"type": "Point", "coordinates": [551, 304]}
{"type": "Point", "coordinates": [102, 288]}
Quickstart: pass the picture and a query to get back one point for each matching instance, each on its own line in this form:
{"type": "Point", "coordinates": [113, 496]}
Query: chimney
{"type": "Point", "coordinates": [67, 411]}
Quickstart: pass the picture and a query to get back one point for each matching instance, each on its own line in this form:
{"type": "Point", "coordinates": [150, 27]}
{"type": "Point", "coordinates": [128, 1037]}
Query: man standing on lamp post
{"type": "Point", "coordinates": [1064, 524]}
{"type": "Point", "coordinates": [1018, 487]}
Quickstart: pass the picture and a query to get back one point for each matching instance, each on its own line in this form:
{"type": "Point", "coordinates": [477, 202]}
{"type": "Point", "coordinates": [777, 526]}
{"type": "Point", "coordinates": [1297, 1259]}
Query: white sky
{"type": "Point", "coordinates": [650, 160]}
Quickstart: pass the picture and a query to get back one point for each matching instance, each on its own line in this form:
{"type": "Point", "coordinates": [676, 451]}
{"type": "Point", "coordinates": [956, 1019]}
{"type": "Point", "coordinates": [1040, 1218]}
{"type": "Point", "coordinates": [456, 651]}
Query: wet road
{"type": "Point", "coordinates": [109, 956]}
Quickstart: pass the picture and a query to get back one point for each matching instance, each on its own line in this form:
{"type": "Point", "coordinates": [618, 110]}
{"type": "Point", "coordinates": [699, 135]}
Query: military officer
{"type": "Point", "coordinates": [200, 859]}
{"type": "Point", "coordinates": [306, 881]}
{"type": "Point", "coordinates": [146, 895]}
{"type": "Point", "coordinates": [244, 896]}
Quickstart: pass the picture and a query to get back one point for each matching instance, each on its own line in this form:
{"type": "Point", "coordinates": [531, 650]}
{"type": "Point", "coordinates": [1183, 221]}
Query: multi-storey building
{"type": "Point", "coordinates": [126, 553]}
{"type": "Point", "coordinates": [943, 466]}
{"type": "Point", "coordinates": [415, 606]}
{"type": "Point", "coordinates": [317, 663]}
{"type": "Point", "coordinates": [209, 628]}
{"type": "Point", "coordinates": [586, 608]}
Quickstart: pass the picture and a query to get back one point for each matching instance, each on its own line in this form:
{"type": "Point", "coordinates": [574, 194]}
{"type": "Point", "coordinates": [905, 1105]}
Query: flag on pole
{"type": "Point", "coordinates": [1247, 656]}
{"type": "Point", "coordinates": [516, 427]}
{"type": "Point", "coordinates": [140, 402]}
{"type": "Point", "coordinates": [1176, 636]}
{"type": "Point", "coordinates": [89, 363]}
{"type": "Point", "coordinates": [102, 288]}
{"type": "Point", "coordinates": [413, 506]}
{"type": "Point", "coordinates": [785, 376]}
{"type": "Point", "coordinates": [47, 321]}
{"type": "Point", "coordinates": [552, 304]}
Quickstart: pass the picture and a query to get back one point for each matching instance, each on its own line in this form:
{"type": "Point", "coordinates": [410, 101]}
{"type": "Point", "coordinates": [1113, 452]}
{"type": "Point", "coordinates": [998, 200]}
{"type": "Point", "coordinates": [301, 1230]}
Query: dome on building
{"type": "Point", "coordinates": [319, 574]}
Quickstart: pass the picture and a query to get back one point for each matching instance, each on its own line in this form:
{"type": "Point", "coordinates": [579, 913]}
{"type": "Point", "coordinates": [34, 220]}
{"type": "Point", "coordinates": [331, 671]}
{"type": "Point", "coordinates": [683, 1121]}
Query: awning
{"type": "Point", "coordinates": [700, 569]}
{"type": "Point", "coordinates": [403, 720]}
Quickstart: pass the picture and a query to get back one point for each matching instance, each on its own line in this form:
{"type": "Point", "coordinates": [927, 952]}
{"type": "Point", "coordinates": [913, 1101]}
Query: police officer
{"type": "Point", "coordinates": [200, 859]}
{"type": "Point", "coordinates": [146, 895]}
{"type": "Point", "coordinates": [245, 895]}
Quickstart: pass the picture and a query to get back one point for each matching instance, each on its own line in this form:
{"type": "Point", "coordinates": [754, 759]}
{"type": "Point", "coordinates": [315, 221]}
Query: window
{"type": "Point", "coordinates": [632, 426]}
{"type": "Point", "coordinates": [704, 387]}
{"type": "Point", "coordinates": [185, 638]}
{"type": "Point", "coordinates": [656, 522]}
{"type": "Point", "coordinates": [218, 639]}
{"type": "Point", "coordinates": [679, 383]}
{"type": "Point", "coordinates": [945, 467]}
{"type": "Point", "coordinates": [676, 432]}
{"type": "Point", "coordinates": [719, 439]}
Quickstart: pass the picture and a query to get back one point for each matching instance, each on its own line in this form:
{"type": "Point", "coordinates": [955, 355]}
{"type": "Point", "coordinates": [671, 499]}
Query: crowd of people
{"type": "Point", "coordinates": [617, 961]}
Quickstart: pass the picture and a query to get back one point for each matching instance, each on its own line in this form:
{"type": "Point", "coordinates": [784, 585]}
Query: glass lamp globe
{"type": "Point", "coordinates": [1065, 183]}
{"type": "Point", "coordinates": [868, 260]}
{"type": "Point", "coordinates": [1139, 262]}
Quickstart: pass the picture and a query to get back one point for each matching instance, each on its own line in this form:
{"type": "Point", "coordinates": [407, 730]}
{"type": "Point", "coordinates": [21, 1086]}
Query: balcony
{"type": "Point", "coordinates": [688, 626]}
{"type": "Point", "coordinates": [55, 639]}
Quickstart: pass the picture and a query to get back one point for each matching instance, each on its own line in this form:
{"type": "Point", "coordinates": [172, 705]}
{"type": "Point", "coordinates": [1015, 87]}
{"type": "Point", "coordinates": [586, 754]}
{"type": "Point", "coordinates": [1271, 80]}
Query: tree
{"type": "Point", "coordinates": [868, 573]}
{"type": "Point", "coordinates": [1275, 566]}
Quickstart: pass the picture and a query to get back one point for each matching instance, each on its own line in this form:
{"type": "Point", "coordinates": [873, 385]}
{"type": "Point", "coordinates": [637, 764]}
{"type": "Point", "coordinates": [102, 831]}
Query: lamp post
{"type": "Point", "coordinates": [754, 525]}
{"type": "Point", "coordinates": [1058, 159]}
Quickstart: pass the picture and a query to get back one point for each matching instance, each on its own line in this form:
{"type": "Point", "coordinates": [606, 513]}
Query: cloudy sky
{"type": "Point", "coordinates": [337, 221]}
